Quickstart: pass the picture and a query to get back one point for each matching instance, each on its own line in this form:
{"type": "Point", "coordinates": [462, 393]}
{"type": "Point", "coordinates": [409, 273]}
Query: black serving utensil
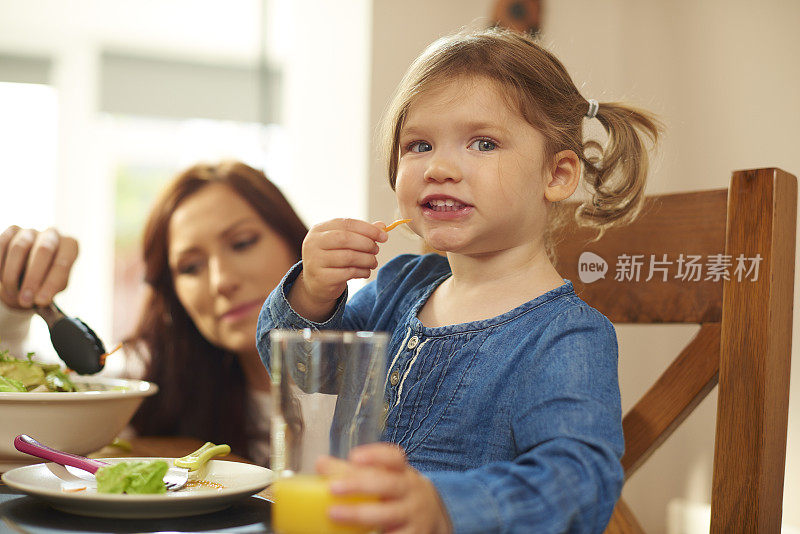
{"type": "Point", "coordinates": [75, 343]}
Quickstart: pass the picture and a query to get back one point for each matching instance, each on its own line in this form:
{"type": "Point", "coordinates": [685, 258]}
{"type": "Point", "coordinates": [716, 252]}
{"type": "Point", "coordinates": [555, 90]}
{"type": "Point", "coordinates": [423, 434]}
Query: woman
{"type": "Point", "coordinates": [217, 241]}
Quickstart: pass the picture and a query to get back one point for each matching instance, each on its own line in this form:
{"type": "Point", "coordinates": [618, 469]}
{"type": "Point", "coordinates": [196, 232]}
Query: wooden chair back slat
{"type": "Point", "coordinates": [679, 389]}
{"type": "Point", "coordinates": [671, 228]}
{"type": "Point", "coordinates": [752, 409]}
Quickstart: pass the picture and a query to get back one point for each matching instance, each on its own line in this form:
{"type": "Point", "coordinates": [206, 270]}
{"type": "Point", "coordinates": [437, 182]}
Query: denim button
{"type": "Point", "coordinates": [301, 367]}
{"type": "Point", "coordinates": [413, 342]}
{"type": "Point", "coordinates": [394, 378]}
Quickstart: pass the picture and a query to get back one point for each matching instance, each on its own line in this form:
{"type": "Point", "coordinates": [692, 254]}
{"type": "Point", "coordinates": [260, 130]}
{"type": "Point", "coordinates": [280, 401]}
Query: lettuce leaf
{"type": "Point", "coordinates": [10, 385]}
{"type": "Point", "coordinates": [32, 374]}
{"type": "Point", "coordinates": [132, 477]}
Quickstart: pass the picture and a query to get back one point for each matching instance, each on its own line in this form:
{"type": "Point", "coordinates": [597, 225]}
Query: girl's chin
{"type": "Point", "coordinates": [462, 247]}
{"type": "Point", "coordinates": [445, 242]}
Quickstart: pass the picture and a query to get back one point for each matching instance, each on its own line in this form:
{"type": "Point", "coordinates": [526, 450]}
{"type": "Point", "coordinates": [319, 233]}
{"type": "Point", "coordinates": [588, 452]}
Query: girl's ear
{"type": "Point", "coordinates": [564, 175]}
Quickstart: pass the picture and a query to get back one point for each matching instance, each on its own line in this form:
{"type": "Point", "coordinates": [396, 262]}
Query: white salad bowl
{"type": "Point", "coordinates": [78, 422]}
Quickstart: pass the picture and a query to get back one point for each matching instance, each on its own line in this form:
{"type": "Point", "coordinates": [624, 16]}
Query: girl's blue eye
{"type": "Point", "coordinates": [420, 146]}
{"type": "Point", "coordinates": [483, 145]}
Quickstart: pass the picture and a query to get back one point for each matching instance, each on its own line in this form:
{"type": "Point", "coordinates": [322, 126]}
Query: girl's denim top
{"type": "Point", "coordinates": [516, 419]}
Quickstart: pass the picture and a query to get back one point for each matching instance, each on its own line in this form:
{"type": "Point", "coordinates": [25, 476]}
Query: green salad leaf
{"type": "Point", "coordinates": [10, 385]}
{"type": "Point", "coordinates": [132, 477]}
{"type": "Point", "coordinates": [31, 375]}
{"type": "Point", "coordinates": [58, 381]}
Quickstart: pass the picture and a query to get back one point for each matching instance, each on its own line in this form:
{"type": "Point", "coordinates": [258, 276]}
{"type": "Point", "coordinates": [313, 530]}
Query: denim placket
{"type": "Point", "coordinates": [398, 378]}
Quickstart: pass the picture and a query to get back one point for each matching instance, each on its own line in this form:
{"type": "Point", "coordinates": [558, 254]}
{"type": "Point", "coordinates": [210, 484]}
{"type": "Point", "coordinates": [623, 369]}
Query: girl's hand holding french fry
{"type": "Point", "coordinates": [333, 253]}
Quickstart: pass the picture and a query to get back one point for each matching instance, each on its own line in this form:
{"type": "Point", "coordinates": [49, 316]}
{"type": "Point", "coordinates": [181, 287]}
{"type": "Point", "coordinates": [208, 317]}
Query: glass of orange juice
{"type": "Point", "coordinates": [327, 391]}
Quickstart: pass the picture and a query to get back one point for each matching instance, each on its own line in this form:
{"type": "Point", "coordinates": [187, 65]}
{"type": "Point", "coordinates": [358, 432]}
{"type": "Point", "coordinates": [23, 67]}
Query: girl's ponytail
{"type": "Point", "coordinates": [616, 180]}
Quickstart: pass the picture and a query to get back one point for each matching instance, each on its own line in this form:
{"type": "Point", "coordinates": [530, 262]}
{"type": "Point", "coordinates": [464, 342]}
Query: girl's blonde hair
{"type": "Point", "coordinates": [539, 85]}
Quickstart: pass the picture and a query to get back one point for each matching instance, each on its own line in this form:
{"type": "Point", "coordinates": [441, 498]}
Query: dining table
{"type": "Point", "coordinates": [20, 513]}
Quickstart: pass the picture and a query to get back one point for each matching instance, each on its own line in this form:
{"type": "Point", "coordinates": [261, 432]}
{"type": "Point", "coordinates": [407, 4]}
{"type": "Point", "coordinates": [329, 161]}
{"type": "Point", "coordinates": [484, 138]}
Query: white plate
{"type": "Point", "coordinates": [48, 482]}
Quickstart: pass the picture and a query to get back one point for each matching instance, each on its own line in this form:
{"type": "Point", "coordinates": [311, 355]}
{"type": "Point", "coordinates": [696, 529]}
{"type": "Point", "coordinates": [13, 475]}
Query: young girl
{"type": "Point", "coordinates": [502, 402]}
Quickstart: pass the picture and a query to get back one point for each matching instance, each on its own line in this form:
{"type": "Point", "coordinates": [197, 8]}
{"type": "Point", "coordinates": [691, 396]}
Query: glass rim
{"type": "Point", "coordinates": [308, 334]}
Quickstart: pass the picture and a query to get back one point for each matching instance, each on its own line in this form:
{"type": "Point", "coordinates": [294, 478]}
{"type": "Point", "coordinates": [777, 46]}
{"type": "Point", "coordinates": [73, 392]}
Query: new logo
{"type": "Point", "coordinates": [591, 267]}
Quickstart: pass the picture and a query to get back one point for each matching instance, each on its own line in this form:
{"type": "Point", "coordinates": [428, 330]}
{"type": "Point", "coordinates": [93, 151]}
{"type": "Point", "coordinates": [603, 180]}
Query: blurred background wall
{"type": "Point", "coordinates": [102, 101]}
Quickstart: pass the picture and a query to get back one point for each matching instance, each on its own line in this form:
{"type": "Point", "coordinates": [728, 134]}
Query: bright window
{"type": "Point", "coordinates": [28, 142]}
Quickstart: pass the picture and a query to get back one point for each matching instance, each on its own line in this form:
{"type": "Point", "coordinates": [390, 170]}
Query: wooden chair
{"type": "Point", "coordinates": [744, 341]}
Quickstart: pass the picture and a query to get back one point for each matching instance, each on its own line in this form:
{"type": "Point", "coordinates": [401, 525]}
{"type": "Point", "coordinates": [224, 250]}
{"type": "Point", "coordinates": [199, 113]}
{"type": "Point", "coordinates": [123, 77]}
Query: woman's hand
{"type": "Point", "coordinates": [34, 265]}
{"type": "Point", "coordinates": [409, 503]}
{"type": "Point", "coordinates": [333, 253]}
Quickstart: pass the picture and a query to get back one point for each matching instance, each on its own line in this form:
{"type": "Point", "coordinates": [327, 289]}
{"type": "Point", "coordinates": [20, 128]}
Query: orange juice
{"type": "Point", "coordinates": [301, 506]}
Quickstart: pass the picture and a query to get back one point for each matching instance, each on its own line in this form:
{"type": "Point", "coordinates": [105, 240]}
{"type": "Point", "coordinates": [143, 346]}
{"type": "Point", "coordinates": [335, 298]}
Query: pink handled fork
{"type": "Point", "coordinates": [175, 478]}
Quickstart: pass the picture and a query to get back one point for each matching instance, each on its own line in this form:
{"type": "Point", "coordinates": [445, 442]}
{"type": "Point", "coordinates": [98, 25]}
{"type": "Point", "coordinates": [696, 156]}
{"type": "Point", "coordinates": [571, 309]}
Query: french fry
{"type": "Point", "coordinates": [107, 354]}
{"type": "Point", "coordinates": [396, 224]}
